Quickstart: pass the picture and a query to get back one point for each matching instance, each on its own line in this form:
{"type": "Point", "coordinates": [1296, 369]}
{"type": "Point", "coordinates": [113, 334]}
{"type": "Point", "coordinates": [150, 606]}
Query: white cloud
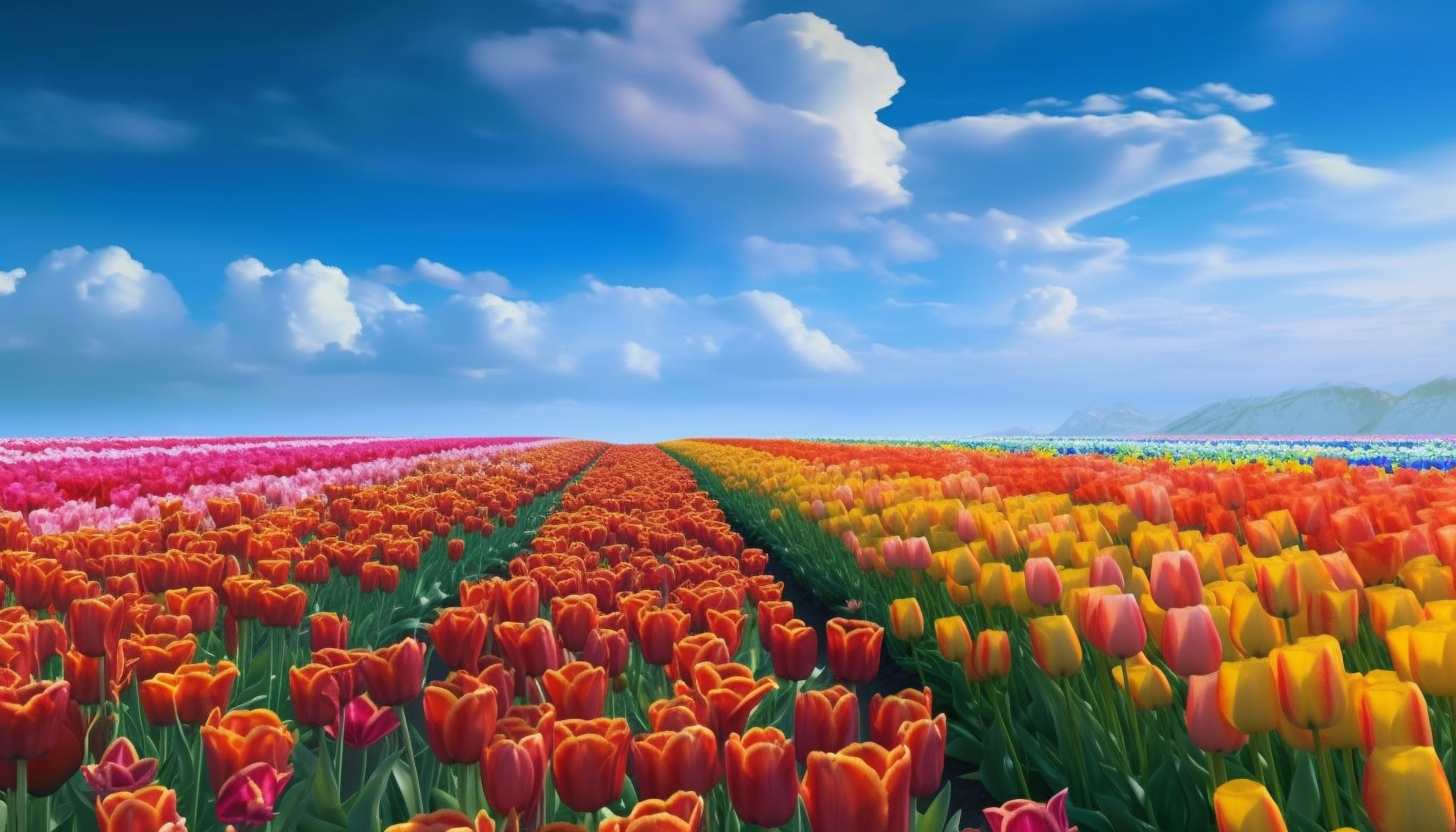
{"type": "Point", "coordinates": [8, 280]}
{"type": "Point", "coordinates": [788, 100]}
{"type": "Point", "coordinates": [108, 282]}
{"type": "Point", "coordinates": [647, 297]}
{"type": "Point", "coordinates": [1247, 102]}
{"type": "Point", "coordinates": [900, 243]}
{"type": "Point", "coordinates": [763, 257]}
{"type": "Point", "coordinates": [1045, 310]}
{"type": "Point", "coordinates": [445, 277]}
{"type": "Point", "coordinates": [1156, 94]}
{"type": "Point", "coordinates": [41, 119]}
{"type": "Point", "coordinates": [1337, 169]}
{"type": "Point", "coordinates": [1058, 170]}
{"type": "Point", "coordinates": [1004, 233]}
{"type": "Point", "coordinates": [1101, 103]}
{"type": "Point", "coordinates": [811, 346]}
{"type": "Point", "coordinates": [306, 308]}
{"type": "Point", "coordinates": [514, 326]}
{"type": "Point", "coordinates": [1046, 102]}
{"type": "Point", "coordinates": [641, 361]}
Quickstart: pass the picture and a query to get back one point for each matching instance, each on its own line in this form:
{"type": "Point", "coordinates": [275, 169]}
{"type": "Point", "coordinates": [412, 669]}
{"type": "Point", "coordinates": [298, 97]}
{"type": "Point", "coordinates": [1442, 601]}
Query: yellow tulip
{"type": "Point", "coordinates": [1149, 686]}
{"type": "Point", "coordinates": [1246, 806]}
{"type": "Point", "coordinates": [1432, 653]}
{"type": "Point", "coordinates": [907, 622]}
{"type": "Point", "coordinates": [1392, 714]}
{"type": "Point", "coordinates": [1405, 790]}
{"type": "Point", "coordinates": [1248, 695]}
{"type": "Point", "coordinates": [1310, 675]}
{"type": "Point", "coordinates": [953, 637]}
{"type": "Point", "coordinates": [1055, 646]}
{"type": "Point", "coordinates": [1255, 632]}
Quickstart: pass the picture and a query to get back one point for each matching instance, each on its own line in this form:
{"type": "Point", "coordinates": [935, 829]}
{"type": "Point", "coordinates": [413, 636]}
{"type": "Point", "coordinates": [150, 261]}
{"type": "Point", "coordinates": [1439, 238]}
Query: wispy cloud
{"type": "Point", "coordinates": [45, 120]}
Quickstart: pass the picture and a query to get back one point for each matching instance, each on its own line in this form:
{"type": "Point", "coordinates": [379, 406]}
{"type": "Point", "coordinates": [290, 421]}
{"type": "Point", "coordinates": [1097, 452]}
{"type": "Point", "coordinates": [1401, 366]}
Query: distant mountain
{"type": "Point", "coordinates": [1429, 408]}
{"type": "Point", "coordinates": [1327, 410]}
{"type": "Point", "coordinates": [1111, 420]}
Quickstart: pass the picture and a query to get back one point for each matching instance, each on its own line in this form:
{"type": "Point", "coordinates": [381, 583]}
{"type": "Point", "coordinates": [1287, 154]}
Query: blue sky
{"type": "Point", "coordinates": [642, 219]}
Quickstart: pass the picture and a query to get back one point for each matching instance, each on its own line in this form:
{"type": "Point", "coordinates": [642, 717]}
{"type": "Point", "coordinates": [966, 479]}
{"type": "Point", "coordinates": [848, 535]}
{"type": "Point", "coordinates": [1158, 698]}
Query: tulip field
{"type": "Point", "coordinates": [361, 634]}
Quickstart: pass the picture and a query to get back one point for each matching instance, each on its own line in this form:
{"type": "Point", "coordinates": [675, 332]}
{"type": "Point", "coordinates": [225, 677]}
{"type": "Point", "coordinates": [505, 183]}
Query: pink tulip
{"type": "Point", "coordinates": [1115, 625]}
{"type": "Point", "coordinates": [1175, 580]}
{"type": "Point", "coordinates": [1030, 816]}
{"type": "Point", "coordinates": [1206, 724]}
{"type": "Point", "coordinates": [1106, 571]}
{"type": "Point", "coordinates": [965, 526]}
{"type": "Point", "coordinates": [1043, 582]}
{"type": "Point", "coordinates": [119, 769]}
{"type": "Point", "coordinates": [1191, 644]}
{"type": "Point", "coordinates": [365, 723]}
{"type": "Point", "coordinates": [248, 797]}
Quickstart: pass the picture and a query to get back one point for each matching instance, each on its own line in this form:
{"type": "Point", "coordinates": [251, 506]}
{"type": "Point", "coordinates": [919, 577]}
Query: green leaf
{"type": "Point", "coordinates": [363, 807]}
{"type": "Point", "coordinates": [934, 818]}
{"type": "Point", "coordinates": [996, 771]}
{"type": "Point", "coordinates": [624, 803]}
{"type": "Point", "coordinates": [325, 795]}
{"type": "Point", "coordinates": [442, 799]}
{"type": "Point", "coordinates": [963, 745]}
{"type": "Point", "coordinates": [1304, 792]}
{"type": "Point", "coordinates": [954, 823]}
{"type": "Point", "coordinates": [404, 780]}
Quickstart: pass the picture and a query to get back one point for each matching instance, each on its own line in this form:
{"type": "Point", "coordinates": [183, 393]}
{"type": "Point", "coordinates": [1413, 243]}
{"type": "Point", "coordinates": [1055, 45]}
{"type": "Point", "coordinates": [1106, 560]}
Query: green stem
{"type": "Point", "coordinates": [1328, 788]}
{"type": "Point", "coordinates": [1129, 710]}
{"type": "Point", "coordinates": [1357, 808]}
{"type": "Point", "coordinates": [1010, 745]}
{"type": "Point", "coordinates": [409, 752]}
{"type": "Point", "coordinates": [1076, 742]}
{"type": "Point", "coordinates": [22, 796]}
{"type": "Point", "coordinates": [1265, 754]}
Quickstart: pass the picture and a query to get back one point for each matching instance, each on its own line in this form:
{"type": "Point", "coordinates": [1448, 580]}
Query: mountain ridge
{"type": "Point", "coordinates": [1322, 410]}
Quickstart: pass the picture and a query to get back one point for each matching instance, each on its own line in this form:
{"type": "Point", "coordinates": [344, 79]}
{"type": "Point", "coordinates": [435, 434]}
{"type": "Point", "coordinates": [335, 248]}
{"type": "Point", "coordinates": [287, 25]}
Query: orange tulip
{"type": "Point", "coordinates": [888, 713]}
{"type": "Point", "coordinates": [95, 624]}
{"type": "Point", "coordinates": [150, 809]}
{"type": "Point", "coordinates": [319, 693]}
{"type": "Point", "coordinates": [233, 741]}
{"type": "Point", "coordinates": [825, 720]}
{"type": "Point", "coordinates": [762, 777]}
{"type": "Point", "coordinates": [863, 788]}
{"type": "Point", "coordinates": [30, 718]}
{"type": "Point", "coordinates": [188, 696]}
{"type": "Point", "coordinates": [445, 820]}
{"type": "Point", "coordinates": [658, 629]}
{"type": "Point", "coordinates": [149, 655]}
{"type": "Point", "coordinates": [854, 649]}
{"type": "Point", "coordinates": [513, 774]}
{"type": "Point", "coordinates": [1253, 630]}
{"type": "Point", "coordinates": [282, 606]}
{"type": "Point", "coordinates": [578, 690]}
{"type": "Point", "coordinates": [953, 638]}
{"type": "Point", "coordinates": [574, 616]}
{"type": "Point", "coordinates": [589, 761]}
{"type": "Point", "coordinates": [794, 649]}
{"type": "Point", "coordinates": [328, 629]}
{"type": "Point", "coordinates": [926, 739]}
{"type": "Point", "coordinates": [1280, 590]}
{"type": "Point", "coordinates": [393, 675]}
{"type": "Point", "coordinates": [665, 762]}
{"type": "Point", "coordinates": [682, 812]}
{"type": "Point", "coordinates": [459, 725]}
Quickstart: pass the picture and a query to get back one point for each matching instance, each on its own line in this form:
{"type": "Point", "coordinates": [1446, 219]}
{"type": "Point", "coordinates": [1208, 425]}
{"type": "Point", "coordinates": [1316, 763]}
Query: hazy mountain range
{"type": "Point", "coordinates": [1326, 410]}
